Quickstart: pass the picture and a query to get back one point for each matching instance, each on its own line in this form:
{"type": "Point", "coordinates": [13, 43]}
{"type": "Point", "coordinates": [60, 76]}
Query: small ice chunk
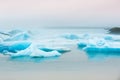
{"type": "Point", "coordinates": [103, 44]}
{"type": "Point", "coordinates": [70, 36]}
{"type": "Point", "coordinates": [108, 38]}
{"type": "Point", "coordinates": [85, 36]}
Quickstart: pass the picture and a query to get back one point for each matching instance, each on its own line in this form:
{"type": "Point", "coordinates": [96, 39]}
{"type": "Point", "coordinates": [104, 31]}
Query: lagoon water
{"type": "Point", "coordinates": [73, 65]}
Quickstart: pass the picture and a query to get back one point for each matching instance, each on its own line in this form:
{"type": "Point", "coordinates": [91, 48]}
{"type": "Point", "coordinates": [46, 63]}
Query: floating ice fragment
{"type": "Point", "coordinates": [85, 36]}
{"type": "Point", "coordinates": [70, 36]}
{"type": "Point", "coordinates": [19, 36]}
{"type": "Point", "coordinates": [108, 38]}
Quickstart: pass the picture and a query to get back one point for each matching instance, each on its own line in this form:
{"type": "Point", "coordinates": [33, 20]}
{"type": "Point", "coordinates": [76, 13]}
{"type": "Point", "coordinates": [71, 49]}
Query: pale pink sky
{"type": "Point", "coordinates": [60, 12]}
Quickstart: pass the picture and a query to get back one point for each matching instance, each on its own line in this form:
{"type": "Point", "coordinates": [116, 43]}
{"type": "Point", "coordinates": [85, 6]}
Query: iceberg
{"type": "Point", "coordinates": [18, 36]}
{"type": "Point", "coordinates": [14, 46]}
{"type": "Point", "coordinates": [34, 48]}
{"type": "Point", "coordinates": [34, 51]}
{"type": "Point", "coordinates": [15, 35]}
{"type": "Point", "coordinates": [106, 45]}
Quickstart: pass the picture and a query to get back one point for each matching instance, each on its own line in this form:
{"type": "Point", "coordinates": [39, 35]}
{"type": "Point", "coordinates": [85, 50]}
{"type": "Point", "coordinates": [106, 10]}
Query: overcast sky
{"type": "Point", "coordinates": [42, 13]}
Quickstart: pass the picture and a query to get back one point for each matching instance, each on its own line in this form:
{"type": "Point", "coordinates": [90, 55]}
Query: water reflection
{"type": "Point", "coordinates": [32, 59]}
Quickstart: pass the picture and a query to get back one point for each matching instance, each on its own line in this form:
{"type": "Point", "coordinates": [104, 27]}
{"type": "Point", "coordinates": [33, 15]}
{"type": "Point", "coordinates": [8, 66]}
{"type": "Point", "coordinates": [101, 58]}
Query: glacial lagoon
{"type": "Point", "coordinates": [60, 54]}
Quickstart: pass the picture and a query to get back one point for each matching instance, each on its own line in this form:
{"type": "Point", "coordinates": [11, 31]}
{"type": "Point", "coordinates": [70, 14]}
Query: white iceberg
{"type": "Point", "coordinates": [33, 51]}
{"type": "Point", "coordinates": [100, 44]}
{"type": "Point", "coordinates": [100, 47]}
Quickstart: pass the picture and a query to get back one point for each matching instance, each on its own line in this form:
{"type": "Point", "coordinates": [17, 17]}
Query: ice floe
{"type": "Point", "coordinates": [14, 46]}
{"type": "Point", "coordinates": [107, 45]}
{"type": "Point", "coordinates": [31, 49]}
{"type": "Point", "coordinates": [34, 51]}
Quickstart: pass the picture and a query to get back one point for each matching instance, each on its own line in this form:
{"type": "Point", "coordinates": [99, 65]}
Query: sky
{"type": "Point", "coordinates": [57, 13]}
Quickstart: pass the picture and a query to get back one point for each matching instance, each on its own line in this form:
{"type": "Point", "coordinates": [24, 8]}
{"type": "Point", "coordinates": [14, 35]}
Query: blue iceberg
{"type": "Point", "coordinates": [14, 46]}
{"type": "Point", "coordinates": [59, 49]}
{"type": "Point", "coordinates": [100, 46]}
